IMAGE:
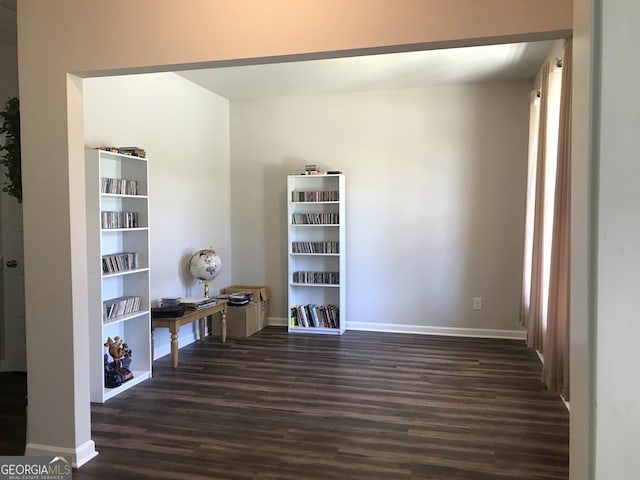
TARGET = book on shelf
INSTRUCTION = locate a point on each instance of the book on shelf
(327, 218)
(314, 247)
(119, 186)
(120, 262)
(314, 196)
(312, 315)
(311, 278)
(117, 219)
(120, 306)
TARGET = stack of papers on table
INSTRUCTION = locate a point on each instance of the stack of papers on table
(197, 303)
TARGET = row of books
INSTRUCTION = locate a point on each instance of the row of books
(327, 278)
(314, 247)
(120, 262)
(315, 196)
(120, 186)
(119, 219)
(312, 315)
(119, 306)
(330, 218)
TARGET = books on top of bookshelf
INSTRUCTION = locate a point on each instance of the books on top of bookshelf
(131, 151)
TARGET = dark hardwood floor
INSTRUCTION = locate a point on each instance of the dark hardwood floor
(362, 406)
(13, 414)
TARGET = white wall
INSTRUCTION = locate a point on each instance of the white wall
(435, 198)
(581, 427)
(185, 131)
(617, 426)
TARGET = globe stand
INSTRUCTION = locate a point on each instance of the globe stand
(205, 284)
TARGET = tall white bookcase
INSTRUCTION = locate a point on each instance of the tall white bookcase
(316, 246)
(118, 264)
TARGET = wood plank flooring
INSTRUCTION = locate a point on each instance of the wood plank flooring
(362, 406)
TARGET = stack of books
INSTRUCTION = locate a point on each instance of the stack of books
(170, 301)
(239, 298)
(197, 303)
(133, 151)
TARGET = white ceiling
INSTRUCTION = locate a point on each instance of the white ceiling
(8, 23)
(516, 61)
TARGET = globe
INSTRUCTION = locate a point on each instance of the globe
(205, 265)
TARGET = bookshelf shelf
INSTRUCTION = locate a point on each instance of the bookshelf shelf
(316, 254)
(315, 225)
(120, 195)
(317, 330)
(116, 230)
(124, 272)
(124, 318)
(117, 264)
(138, 377)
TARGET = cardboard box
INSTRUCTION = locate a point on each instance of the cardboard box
(260, 297)
(241, 321)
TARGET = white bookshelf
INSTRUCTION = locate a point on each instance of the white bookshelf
(134, 327)
(316, 259)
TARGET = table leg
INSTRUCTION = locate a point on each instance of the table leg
(174, 347)
(223, 325)
(203, 322)
(152, 345)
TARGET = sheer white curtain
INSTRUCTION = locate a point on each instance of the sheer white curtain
(555, 372)
(545, 291)
(532, 302)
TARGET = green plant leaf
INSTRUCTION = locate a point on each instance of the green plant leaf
(11, 159)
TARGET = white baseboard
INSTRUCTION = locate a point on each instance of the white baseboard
(444, 331)
(423, 330)
(79, 456)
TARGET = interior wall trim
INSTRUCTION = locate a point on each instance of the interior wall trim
(423, 329)
(79, 455)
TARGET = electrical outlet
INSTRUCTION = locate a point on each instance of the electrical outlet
(477, 303)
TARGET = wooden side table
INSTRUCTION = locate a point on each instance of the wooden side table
(174, 324)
